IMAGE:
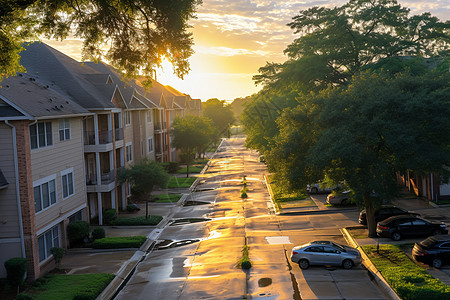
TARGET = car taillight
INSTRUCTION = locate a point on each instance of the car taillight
(382, 227)
(330, 197)
(294, 252)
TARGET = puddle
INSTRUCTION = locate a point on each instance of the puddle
(166, 244)
(188, 221)
(264, 282)
(195, 202)
(278, 240)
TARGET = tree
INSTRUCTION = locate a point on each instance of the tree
(367, 132)
(136, 34)
(143, 176)
(191, 133)
(220, 114)
(333, 45)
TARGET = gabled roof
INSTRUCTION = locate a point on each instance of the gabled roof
(66, 75)
(25, 94)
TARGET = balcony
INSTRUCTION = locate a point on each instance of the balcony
(108, 177)
(91, 179)
(118, 134)
(104, 136)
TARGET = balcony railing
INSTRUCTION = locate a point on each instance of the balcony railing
(91, 179)
(89, 138)
(105, 137)
(108, 177)
(160, 125)
(119, 134)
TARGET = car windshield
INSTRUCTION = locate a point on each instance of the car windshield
(340, 247)
(428, 243)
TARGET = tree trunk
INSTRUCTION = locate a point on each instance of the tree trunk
(370, 216)
(188, 162)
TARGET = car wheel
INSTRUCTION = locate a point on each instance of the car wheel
(437, 232)
(304, 264)
(396, 236)
(314, 190)
(437, 263)
(347, 264)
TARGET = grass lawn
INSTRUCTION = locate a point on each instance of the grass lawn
(359, 233)
(58, 287)
(409, 281)
(167, 198)
(192, 169)
(286, 199)
(180, 182)
(141, 220)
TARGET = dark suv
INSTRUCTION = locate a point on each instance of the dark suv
(399, 226)
(434, 250)
(384, 212)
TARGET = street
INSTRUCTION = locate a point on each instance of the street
(196, 255)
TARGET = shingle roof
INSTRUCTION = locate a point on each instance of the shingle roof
(38, 99)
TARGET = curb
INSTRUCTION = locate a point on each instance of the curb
(269, 188)
(377, 276)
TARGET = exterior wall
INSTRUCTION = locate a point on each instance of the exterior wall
(149, 134)
(10, 239)
(51, 161)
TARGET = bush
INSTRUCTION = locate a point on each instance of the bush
(109, 215)
(58, 254)
(119, 242)
(170, 167)
(98, 233)
(15, 270)
(142, 220)
(77, 231)
(244, 262)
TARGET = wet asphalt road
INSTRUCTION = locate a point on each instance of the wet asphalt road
(198, 260)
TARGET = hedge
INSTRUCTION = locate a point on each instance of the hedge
(142, 220)
(409, 281)
(119, 242)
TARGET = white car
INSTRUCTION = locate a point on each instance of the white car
(325, 253)
(319, 187)
(339, 198)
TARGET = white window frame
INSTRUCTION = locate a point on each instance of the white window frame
(47, 240)
(127, 117)
(48, 136)
(150, 145)
(65, 179)
(149, 116)
(129, 153)
(40, 183)
(64, 129)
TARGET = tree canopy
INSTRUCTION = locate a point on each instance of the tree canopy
(220, 114)
(132, 35)
(192, 134)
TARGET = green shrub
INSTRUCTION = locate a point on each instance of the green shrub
(244, 193)
(58, 254)
(244, 262)
(98, 233)
(409, 281)
(109, 215)
(119, 242)
(15, 270)
(77, 231)
(23, 296)
(142, 220)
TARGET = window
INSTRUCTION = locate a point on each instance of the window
(127, 117)
(44, 193)
(41, 135)
(64, 129)
(314, 249)
(67, 183)
(46, 241)
(150, 145)
(128, 152)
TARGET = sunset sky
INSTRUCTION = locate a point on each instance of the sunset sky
(234, 38)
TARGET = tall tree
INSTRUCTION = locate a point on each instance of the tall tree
(143, 176)
(368, 131)
(220, 114)
(136, 34)
(191, 133)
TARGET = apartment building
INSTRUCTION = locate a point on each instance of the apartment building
(41, 146)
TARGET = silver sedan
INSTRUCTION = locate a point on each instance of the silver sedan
(325, 253)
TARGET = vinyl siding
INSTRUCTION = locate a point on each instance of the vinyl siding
(55, 159)
(9, 225)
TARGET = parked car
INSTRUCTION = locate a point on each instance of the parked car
(320, 187)
(434, 251)
(397, 227)
(325, 253)
(341, 198)
(384, 212)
